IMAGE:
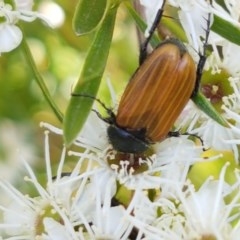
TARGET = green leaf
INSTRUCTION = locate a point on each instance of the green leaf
(226, 30)
(88, 15)
(141, 24)
(90, 78)
(203, 103)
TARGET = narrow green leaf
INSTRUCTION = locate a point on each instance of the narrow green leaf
(90, 78)
(223, 5)
(203, 103)
(226, 30)
(141, 24)
(39, 79)
(88, 15)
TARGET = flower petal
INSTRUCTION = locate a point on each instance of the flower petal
(24, 4)
(11, 37)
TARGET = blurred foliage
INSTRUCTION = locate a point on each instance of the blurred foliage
(59, 55)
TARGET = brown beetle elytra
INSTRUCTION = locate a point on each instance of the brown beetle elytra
(158, 91)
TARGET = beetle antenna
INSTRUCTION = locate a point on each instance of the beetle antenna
(109, 111)
(202, 56)
(143, 47)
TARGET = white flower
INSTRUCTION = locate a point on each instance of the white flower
(213, 134)
(11, 35)
(207, 211)
(55, 230)
(14, 142)
(82, 205)
(110, 223)
(73, 206)
(192, 214)
(28, 217)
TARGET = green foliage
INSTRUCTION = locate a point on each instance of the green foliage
(90, 78)
(88, 15)
(226, 29)
(203, 103)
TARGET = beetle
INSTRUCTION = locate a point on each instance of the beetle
(154, 98)
(155, 95)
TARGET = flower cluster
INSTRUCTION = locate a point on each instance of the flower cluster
(11, 35)
(99, 200)
(177, 191)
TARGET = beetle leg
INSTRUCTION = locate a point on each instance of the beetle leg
(143, 47)
(202, 58)
(174, 134)
(177, 134)
(108, 120)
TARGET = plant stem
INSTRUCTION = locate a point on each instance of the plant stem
(39, 80)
